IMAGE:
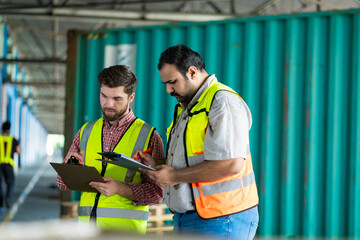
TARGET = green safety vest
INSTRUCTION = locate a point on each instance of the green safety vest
(226, 196)
(114, 212)
(6, 158)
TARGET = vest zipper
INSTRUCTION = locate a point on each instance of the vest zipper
(187, 163)
(97, 197)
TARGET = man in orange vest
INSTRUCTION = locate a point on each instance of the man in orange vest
(8, 146)
(208, 174)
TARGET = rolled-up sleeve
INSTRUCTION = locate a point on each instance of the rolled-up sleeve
(227, 135)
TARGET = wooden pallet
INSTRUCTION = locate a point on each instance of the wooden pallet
(69, 209)
(157, 218)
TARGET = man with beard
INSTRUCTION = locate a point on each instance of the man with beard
(122, 201)
(209, 178)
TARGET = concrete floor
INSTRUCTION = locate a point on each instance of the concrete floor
(36, 197)
(35, 212)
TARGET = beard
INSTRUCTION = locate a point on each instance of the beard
(114, 115)
(189, 92)
(182, 99)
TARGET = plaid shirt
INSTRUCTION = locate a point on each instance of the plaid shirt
(147, 193)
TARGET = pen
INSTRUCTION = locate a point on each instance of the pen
(146, 151)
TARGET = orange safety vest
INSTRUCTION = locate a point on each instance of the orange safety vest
(226, 196)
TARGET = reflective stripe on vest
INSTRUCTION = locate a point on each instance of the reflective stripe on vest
(226, 186)
(85, 136)
(114, 212)
(6, 158)
(225, 196)
(140, 142)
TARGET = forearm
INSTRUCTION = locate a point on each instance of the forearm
(60, 184)
(208, 171)
(126, 191)
(146, 193)
(18, 149)
(157, 146)
(73, 148)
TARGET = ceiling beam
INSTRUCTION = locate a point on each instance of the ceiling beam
(213, 5)
(90, 19)
(33, 60)
(232, 7)
(49, 105)
(19, 28)
(40, 98)
(80, 14)
(181, 6)
(265, 7)
(324, 4)
(36, 40)
(102, 4)
(38, 84)
(46, 101)
(40, 95)
(48, 110)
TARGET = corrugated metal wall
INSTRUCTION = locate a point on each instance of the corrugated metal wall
(300, 77)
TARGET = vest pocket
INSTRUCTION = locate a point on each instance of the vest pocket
(196, 130)
(217, 195)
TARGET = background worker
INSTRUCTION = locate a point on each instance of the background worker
(123, 198)
(8, 146)
(209, 179)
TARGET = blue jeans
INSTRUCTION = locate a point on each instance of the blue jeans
(237, 226)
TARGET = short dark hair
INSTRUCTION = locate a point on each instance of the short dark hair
(182, 57)
(6, 126)
(118, 76)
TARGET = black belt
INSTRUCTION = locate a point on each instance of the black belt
(190, 212)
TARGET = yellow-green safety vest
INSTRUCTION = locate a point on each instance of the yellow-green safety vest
(114, 212)
(226, 196)
(5, 155)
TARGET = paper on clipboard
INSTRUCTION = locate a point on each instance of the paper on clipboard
(122, 160)
(78, 177)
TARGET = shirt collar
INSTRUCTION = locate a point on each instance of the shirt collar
(201, 90)
(120, 122)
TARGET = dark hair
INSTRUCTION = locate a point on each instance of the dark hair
(6, 126)
(182, 57)
(118, 76)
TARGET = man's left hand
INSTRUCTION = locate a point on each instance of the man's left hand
(165, 175)
(108, 188)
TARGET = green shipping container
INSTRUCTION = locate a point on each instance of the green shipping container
(300, 77)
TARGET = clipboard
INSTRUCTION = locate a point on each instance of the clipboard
(122, 160)
(78, 177)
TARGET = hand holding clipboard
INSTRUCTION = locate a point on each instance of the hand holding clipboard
(122, 160)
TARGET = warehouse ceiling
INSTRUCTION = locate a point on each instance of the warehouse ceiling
(38, 30)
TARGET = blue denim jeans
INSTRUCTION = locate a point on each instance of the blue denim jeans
(237, 226)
